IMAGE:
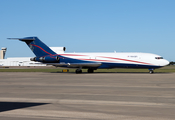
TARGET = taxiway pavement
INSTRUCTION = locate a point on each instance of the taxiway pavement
(96, 96)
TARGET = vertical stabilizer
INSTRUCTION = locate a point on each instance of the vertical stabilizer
(38, 47)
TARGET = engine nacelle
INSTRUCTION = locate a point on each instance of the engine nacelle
(35, 59)
(46, 59)
(49, 59)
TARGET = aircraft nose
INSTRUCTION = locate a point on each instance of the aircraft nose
(165, 62)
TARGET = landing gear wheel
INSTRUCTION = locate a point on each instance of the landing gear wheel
(90, 71)
(151, 71)
(78, 71)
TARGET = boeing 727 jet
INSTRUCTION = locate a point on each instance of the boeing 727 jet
(92, 61)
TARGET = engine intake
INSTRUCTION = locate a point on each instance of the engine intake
(33, 59)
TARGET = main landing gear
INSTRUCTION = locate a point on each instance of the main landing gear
(80, 71)
(90, 70)
(151, 71)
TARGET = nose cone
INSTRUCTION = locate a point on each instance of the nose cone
(165, 62)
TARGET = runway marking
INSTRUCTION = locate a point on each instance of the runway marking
(72, 115)
(89, 102)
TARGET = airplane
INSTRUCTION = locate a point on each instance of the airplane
(92, 61)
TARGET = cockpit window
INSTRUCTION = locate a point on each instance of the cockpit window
(158, 58)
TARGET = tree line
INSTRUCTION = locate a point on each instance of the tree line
(171, 63)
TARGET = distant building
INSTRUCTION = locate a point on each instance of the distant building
(2, 52)
(24, 61)
(19, 61)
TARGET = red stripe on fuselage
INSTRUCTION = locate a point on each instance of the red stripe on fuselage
(97, 60)
(90, 59)
(71, 55)
(41, 49)
(126, 60)
(105, 60)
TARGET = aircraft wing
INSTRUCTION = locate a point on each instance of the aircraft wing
(76, 65)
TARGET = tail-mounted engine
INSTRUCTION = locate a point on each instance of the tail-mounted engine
(46, 59)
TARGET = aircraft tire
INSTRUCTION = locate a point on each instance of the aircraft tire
(78, 71)
(151, 71)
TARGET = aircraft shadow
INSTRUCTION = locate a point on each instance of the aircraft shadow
(7, 106)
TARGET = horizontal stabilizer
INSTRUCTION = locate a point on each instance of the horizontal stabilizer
(23, 39)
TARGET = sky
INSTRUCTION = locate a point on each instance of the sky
(90, 25)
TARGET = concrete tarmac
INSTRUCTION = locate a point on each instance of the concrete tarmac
(96, 96)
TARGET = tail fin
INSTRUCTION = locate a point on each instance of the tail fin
(37, 46)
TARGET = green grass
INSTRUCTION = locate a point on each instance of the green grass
(167, 69)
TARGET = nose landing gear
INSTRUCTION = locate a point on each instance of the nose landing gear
(151, 71)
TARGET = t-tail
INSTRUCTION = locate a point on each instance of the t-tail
(42, 51)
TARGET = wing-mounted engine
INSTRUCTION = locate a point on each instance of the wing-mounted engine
(46, 59)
